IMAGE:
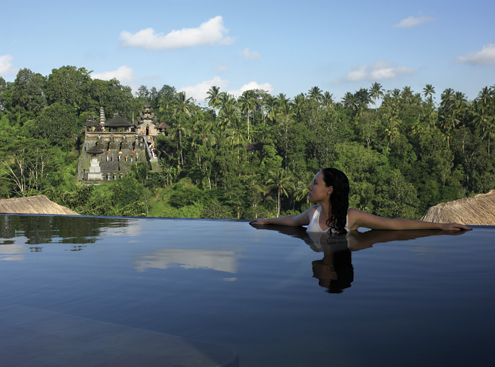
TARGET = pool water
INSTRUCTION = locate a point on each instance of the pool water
(274, 295)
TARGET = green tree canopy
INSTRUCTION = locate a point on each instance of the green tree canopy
(57, 124)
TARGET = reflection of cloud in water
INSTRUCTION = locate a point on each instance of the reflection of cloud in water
(124, 227)
(12, 252)
(220, 260)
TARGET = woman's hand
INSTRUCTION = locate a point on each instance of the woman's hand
(259, 221)
(455, 227)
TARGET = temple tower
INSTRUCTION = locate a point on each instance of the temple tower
(102, 117)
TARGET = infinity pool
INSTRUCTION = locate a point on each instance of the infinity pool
(235, 295)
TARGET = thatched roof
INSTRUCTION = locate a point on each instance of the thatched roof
(94, 150)
(118, 121)
(477, 210)
(33, 205)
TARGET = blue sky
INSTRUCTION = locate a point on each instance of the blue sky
(280, 46)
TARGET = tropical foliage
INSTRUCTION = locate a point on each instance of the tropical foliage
(253, 155)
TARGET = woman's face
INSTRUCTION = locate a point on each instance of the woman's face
(318, 190)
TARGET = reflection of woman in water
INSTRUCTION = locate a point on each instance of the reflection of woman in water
(335, 271)
(330, 188)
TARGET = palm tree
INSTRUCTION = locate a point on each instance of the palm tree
(283, 105)
(182, 111)
(166, 105)
(271, 107)
(228, 109)
(460, 106)
(349, 101)
(261, 97)
(316, 94)
(407, 95)
(213, 97)
(298, 104)
(376, 92)
(183, 106)
(428, 92)
(363, 97)
(327, 100)
(205, 133)
(285, 112)
(203, 138)
(282, 181)
(446, 113)
(247, 103)
(301, 188)
(236, 135)
(396, 93)
(447, 99)
(392, 129)
(178, 131)
(483, 118)
(256, 191)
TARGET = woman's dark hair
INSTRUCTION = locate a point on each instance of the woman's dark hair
(342, 264)
(339, 199)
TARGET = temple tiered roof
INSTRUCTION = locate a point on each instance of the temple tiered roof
(118, 121)
(94, 150)
(147, 114)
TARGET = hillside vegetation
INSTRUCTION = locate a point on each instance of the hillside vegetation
(250, 156)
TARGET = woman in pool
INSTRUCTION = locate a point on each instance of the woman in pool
(330, 188)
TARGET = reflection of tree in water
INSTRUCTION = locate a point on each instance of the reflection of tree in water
(43, 229)
(76, 248)
(7, 230)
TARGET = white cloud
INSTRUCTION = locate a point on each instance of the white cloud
(219, 260)
(411, 21)
(6, 67)
(124, 74)
(200, 91)
(222, 68)
(484, 57)
(251, 55)
(208, 33)
(252, 85)
(377, 71)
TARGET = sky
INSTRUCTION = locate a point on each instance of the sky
(279, 46)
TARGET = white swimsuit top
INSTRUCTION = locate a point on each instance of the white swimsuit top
(314, 225)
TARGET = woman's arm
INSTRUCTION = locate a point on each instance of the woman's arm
(290, 220)
(358, 218)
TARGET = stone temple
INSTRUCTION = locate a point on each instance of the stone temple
(111, 148)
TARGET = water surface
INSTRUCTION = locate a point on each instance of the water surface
(408, 299)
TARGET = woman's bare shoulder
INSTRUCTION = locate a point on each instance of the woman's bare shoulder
(351, 212)
(355, 216)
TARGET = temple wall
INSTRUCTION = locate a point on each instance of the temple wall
(117, 157)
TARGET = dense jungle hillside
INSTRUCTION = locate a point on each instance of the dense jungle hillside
(251, 156)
